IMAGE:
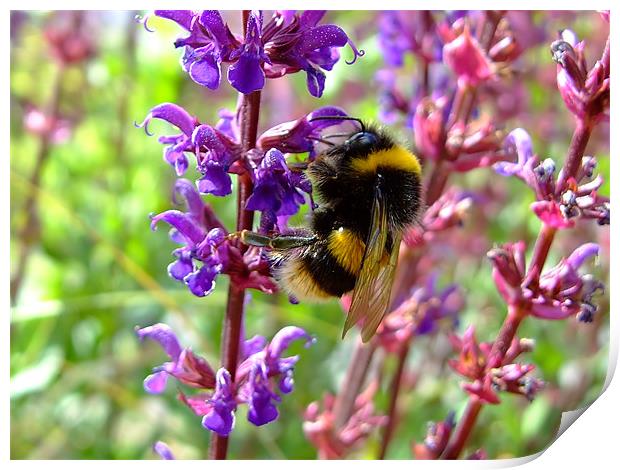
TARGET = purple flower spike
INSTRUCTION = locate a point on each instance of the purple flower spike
(162, 449)
(221, 418)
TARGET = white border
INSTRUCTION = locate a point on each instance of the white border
(591, 442)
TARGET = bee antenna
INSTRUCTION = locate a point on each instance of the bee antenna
(339, 118)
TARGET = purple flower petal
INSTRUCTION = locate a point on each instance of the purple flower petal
(215, 180)
(184, 223)
(261, 404)
(182, 17)
(310, 18)
(156, 383)
(213, 22)
(284, 338)
(246, 75)
(206, 71)
(202, 282)
(173, 114)
(188, 191)
(581, 254)
(221, 418)
(162, 449)
(327, 35)
(164, 335)
(181, 267)
(315, 80)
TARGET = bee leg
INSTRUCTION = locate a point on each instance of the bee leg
(279, 242)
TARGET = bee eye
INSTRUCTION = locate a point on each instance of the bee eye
(362, 139)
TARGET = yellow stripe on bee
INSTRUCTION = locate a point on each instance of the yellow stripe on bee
(347, 248)
(297, 280)
(397, 158)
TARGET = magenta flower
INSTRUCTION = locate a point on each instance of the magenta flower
(335, 443)
(287, 43)
(487, 377)
(585, 92)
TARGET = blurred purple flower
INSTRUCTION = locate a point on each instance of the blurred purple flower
(437, 437)
(287, 43)
(408, 31)
(162, 449)
(564, 292)
(422, 313)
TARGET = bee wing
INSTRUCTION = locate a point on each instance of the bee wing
(371, 295)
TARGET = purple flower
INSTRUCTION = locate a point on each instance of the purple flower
(301, 135)
(178, 144)
(215, 152)
(278, 191)
(162, 449)
(216, 148)
(205, 251)
(422, 313)
(221, 417)
(185, 366)
(287, 43)
(262, 373)
(299, 43)
(563, 291)
(408, 31)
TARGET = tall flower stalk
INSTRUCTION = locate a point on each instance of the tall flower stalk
(518, 310)
(251, 372)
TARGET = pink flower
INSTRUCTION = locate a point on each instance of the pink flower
(467, 60)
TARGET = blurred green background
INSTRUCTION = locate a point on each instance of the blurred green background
(95, 270)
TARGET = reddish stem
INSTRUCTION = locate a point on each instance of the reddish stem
(578, 144)
(233, 321)
(353, 381)
(27, 235)
(463, 430)
(394, 391)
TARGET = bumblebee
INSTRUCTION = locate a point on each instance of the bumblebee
(369, 190)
